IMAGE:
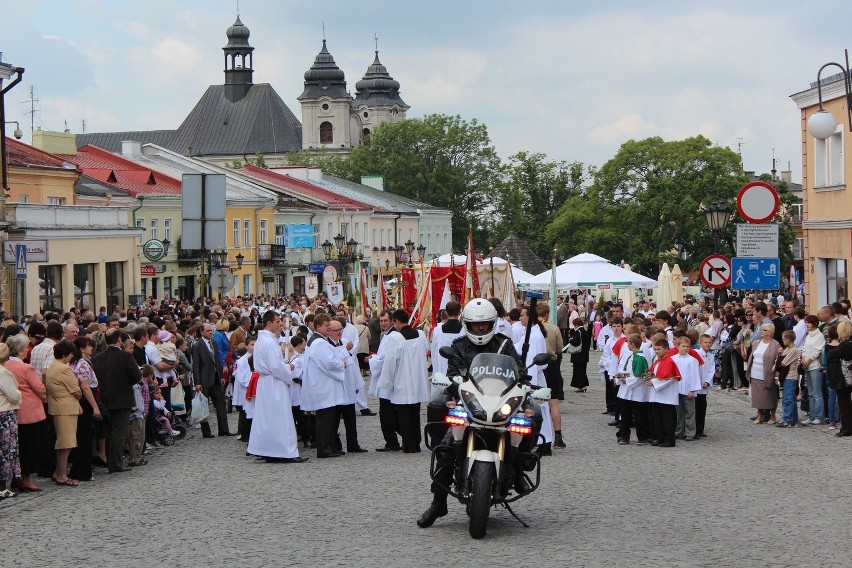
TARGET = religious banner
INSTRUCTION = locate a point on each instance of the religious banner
(409, 288)
(441, 277)
(334, 291)
(311, 288)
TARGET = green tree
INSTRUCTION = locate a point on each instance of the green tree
(259, 161)
(648, 200)
(440, 160)
(534, 191)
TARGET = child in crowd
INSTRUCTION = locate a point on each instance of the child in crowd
(597, 326)
(708, 371)
(297, 363)
(789, 381)
(136, 432)
(162, 414)
(633, 392)
(663, 396)
(688, 387)
(242, 374)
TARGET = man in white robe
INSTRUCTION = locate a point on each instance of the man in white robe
(387, 414)
(273, 433)
(404, 378)
(323, 385)
(443, 336)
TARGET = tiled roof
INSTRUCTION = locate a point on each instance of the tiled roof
(518, 253)
(22, 155)
(124, 174)
(334, 200)
(92, 187)
(111, 141)
(375, 197)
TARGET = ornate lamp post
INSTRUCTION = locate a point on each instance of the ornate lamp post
(822, 123)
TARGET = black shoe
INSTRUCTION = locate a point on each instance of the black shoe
(411, 450)
(544, 450)
(430, 515)
(287, 460)
(666, 445)
(614, 423)
(608, 412)
(521, 485)
(559, 442)
(357, 450)
(228, 434)
(329, 455)
(388, 449)
(203, 436)
(368, 412)
(654, 442)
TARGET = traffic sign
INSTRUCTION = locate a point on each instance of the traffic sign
(759, 241)
(757, 202)
(21, 262)
(756, 273)
(223, 281)
(716, 271)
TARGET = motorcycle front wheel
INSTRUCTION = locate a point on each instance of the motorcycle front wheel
(480, 498)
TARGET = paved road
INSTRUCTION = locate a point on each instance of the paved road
(745, 496)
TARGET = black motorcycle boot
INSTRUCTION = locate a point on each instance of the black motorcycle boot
(544, 449)
(558, 442)
(437, 509)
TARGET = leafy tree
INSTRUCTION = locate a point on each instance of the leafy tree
(534, 191)
(440, 160)
(648, 201)
(259, 161)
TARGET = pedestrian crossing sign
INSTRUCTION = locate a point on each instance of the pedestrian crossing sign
(21, 261)
(755, 273)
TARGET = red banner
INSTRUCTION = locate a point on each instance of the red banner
(440, 276)
(409, 289)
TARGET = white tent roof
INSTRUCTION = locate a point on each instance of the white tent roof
(460, 260)
(587, 271)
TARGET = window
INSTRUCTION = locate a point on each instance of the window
(23, 198)
(799, 249)
(382, 241)
(140, 224)
(263, 231)
(279, 234)
(344, 230)
(236, 232)
(366, 235)
(56, 201)
(167, 229)
(375, 240)
(167, 288)
(155, 225)
(366, 136)
(84, 286)
(317, 240)
(326, 133)
(247, 226)
(835, 279)
(828, 160)
(410, 234)
(50, 287)
(355, 235)
(247, 284)
(114, 284)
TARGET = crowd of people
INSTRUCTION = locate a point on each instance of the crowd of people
(80, 390)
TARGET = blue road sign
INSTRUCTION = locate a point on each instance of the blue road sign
(21, 262)
(755, 273)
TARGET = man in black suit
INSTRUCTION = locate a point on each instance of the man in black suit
(207, 375)
(117, 372)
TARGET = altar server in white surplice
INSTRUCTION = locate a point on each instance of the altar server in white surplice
(273, 433)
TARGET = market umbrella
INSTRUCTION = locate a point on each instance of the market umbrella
(588, 271)
(664, 293)
(677, 284)
(627, 295)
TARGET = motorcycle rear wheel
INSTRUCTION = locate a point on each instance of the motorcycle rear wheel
(480, 498)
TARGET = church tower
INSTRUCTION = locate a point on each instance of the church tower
(377, 100)
(238, 62)
(327, 107)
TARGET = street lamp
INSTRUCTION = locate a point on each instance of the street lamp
(397, 253)
(387, 264)
(717, 214)
(822, 123)
(166, 243)
(339, 241)
(240, 259)
(421, 251)
(326, 249)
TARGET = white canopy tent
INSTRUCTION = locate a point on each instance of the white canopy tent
(590, 271)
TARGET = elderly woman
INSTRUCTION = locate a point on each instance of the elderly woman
(10, 402)
(63, 394)
(81, 459)
(31, 416)
(761, 372)
(840, 357)
(814, 375)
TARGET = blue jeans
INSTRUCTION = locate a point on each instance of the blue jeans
(791, 413)
(815, 401)
(833, 407)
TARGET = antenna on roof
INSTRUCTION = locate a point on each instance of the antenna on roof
(376, 38)
(33, 110)
(66, 126)
(323, 30)
(238, 8)
(84, 126)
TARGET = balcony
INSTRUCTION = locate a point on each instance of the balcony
(189, 258)
(271, 255)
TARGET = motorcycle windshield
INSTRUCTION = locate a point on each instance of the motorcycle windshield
(493, 373)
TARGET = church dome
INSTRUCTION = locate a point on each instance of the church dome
(238, 34)
(324, 68)
(377, 79)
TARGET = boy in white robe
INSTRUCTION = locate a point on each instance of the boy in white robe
(708, 371)
(688, 387)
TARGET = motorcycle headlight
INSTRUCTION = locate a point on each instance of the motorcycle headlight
(507, 409)
(473, 405)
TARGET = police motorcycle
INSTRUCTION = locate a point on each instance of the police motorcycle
(493, 417)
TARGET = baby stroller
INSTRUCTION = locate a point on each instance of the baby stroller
(166, 439)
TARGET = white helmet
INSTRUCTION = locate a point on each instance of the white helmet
(476, 311)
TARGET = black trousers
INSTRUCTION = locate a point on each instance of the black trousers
(700, 413)
(243, 424)
(327, 420)
(389, 423)
(81, 456)
(634, 415)
(119, 424)
(408, 419)
(346, 412)
(664, 419)
(217, 397)
(611, 392)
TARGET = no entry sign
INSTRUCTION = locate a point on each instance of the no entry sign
(716, 271)
(757, 202)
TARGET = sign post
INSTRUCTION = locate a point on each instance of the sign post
(715, 271)
(20, 276)
(756, 273)
(756, 266)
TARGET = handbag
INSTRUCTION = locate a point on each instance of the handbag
(847, 372)
(572, 349)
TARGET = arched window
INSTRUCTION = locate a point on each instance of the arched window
(365, 135)
(326, 133)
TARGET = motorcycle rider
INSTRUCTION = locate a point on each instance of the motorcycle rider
(479, 319)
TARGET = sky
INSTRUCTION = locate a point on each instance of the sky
(570, 79)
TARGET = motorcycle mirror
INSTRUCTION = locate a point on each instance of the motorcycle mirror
(440, 380)
(540, 359)
(458, 380)
(542, 394)
(446, 352)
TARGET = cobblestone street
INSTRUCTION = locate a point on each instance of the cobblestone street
(744, 496)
